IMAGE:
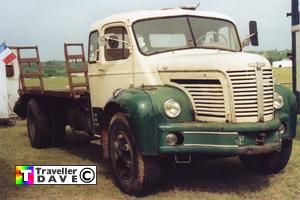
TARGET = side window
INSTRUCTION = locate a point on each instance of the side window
(93, 46)
(117, 44)
(10, 71)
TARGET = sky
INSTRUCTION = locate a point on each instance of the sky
(50, 23)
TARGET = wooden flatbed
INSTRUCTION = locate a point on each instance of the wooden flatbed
(74, 90)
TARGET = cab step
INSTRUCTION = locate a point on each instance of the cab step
(96, 140)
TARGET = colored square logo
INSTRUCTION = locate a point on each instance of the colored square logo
(24, 175)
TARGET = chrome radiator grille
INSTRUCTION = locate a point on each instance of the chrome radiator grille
(244, 86)
(244, 92)
(208, 98)
(268, 92)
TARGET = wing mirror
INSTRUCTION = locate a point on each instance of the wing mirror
(253, 37)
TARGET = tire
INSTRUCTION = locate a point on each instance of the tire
(38, 125)
(270, 163)
(134, 173)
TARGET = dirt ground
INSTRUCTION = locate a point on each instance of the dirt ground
(218, 179)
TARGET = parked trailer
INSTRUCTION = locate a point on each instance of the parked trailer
(9, 85)
(171, 83)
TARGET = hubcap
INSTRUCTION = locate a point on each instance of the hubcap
(122, 155)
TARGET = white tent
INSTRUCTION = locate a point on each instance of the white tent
(282, 63)
(8, 91)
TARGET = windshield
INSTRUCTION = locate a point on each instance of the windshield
(167, 34)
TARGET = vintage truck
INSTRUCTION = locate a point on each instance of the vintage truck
(171, 83)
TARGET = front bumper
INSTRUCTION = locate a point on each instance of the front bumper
(219, 138)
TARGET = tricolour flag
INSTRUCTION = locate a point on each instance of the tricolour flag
(5, 54)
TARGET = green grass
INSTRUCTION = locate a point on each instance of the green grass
(54, 82)
(283, 76)
(218, 179)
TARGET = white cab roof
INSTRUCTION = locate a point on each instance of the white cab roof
(131, 17)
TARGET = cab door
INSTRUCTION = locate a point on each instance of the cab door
(112, 68)
(94, 68)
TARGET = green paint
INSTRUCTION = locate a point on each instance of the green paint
(218, 143)
(150, 125)
(223, 127)
(138, 105)
(145, 110)
(288, 113)
(161, 94)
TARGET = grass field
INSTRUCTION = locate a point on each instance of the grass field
(54, 82)
(218, 179)
(283, 76)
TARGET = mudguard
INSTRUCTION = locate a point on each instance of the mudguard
(145, 110)
(288, 113)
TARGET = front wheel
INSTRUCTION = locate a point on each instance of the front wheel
(134, 172)
(269, 163)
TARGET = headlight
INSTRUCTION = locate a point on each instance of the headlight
(172, 108)
(278, 101)
(171, 139)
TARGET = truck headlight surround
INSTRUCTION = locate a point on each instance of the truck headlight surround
(172, 108)
(278, 101)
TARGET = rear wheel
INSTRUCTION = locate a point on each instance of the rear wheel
(38, 125)
(269, 163)
(134, 172)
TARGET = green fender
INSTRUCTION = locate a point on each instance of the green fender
(145, 110)
(288, 113)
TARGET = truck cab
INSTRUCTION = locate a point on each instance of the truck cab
(173, 83)
(186, 88)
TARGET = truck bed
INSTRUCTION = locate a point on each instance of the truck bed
(36, 86)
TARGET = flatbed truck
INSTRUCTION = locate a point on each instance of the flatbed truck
(171, 83)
